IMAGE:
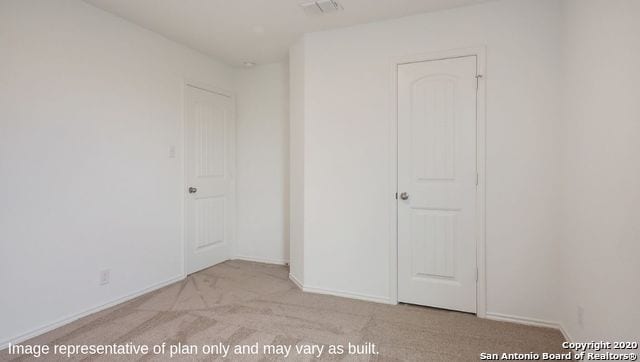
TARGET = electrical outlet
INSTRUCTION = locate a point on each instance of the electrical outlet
(105, 276)
(580, 315)
(172, 151)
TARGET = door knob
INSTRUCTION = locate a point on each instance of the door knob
(404, 196)
(193, 190)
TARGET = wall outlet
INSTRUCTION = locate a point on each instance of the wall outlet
(172, 151)
(580, 316)
(105, 276)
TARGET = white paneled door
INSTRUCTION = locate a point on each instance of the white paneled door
(209, 190)
(437, 183)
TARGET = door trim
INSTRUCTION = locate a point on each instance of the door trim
(188, 82)
(480, 53)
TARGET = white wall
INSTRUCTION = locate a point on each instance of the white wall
(262, 162)
(296, 160)
(89, 106)
(347, 115)
(601, 218)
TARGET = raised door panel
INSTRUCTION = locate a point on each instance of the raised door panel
(209, 221)
(433, 244)
(210, 139)
(433, 127)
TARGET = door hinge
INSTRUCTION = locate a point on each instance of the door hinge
(476, 274)
(396, 195)
(478, 81)
(477, 178)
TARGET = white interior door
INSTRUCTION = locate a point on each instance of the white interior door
(437, 183)
(209, 145)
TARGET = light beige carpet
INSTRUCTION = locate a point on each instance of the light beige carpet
(241, 303)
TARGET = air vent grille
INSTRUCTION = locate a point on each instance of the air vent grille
(320, 7)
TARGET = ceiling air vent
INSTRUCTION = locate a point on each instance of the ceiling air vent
(320, 7)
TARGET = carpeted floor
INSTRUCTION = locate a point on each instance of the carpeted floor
(241, 303)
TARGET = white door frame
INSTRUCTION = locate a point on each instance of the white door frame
(187, 82)
(480, 53)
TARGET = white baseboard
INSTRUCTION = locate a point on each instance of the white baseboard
(296, 281)
(68, 319)
(262, 260)
(528, 321)
(338, 293)
(565, 334)
(343, 294)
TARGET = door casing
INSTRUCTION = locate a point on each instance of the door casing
(480, 53)
(187, 82)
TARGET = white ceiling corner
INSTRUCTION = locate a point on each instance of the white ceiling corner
(256, 30)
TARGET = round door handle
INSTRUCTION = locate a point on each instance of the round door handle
(404, 196)
(193, 190)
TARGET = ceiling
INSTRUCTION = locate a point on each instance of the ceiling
(259, 31)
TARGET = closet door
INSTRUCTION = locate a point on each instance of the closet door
(437, 183)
